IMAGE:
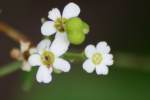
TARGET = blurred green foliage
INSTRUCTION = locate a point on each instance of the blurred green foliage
(78, 85)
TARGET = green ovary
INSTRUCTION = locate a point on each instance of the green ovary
(97, 58)
(47, 58)
(60, 24)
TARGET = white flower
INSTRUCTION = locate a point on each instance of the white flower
(57, 23)
(48, 58)
(22, 54)
(99, 58)
(26, 50)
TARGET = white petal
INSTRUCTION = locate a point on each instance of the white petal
(33, 50)
(24, 46)
(48, 28)
(54, 14)
(90, 50)
(60, 44)
(108, 59)
(62, 65)
(71, 10)
(103, 47)
(110, 62)
(101, 70)
(43, 75)
(44, 44)
(34, 60)
(88, 66)
(26, 66)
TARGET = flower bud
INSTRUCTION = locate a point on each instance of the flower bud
(74, 24)
(76, 37)
(86, 28)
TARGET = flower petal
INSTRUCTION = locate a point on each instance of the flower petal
(108, 59)
(44, 75)
(103, 47)
(48, 28)
(33, 50)
(71, 10)
(24, 46)
(60, 44)
(34, 60)
(54, 14)
(90, 50)
(26, 66)
(44, 44)
(101, 70)
(62, 65)
(88, 66)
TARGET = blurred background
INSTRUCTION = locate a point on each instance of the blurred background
(124, 24)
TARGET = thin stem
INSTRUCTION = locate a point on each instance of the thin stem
(132, 61)
(12, 33)
(10, 68)
(75, 56)
(27, 79)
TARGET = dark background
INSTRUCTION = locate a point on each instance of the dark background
(124, 24)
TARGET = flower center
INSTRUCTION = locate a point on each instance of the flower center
(60, 24)
(26, 55)
(97, 58)
(47, 58)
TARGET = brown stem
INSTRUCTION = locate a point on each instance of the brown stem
(12, 33)
(18, 37)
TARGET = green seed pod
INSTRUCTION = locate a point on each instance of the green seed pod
(76, 30)
(76, 37)
(74, 24)
(86, 28)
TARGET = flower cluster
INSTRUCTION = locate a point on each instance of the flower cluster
(68, 29)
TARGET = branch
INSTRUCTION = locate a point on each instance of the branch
(12, 33)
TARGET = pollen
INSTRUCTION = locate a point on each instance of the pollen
(97, 58)
(60, 24)
(47, 58)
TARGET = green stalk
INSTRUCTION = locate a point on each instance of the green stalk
(10, 68)
(74, 56)
(27, 79)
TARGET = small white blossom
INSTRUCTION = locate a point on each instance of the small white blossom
(57, 23)
(48, 58)
(99, 58)
(22, 54)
